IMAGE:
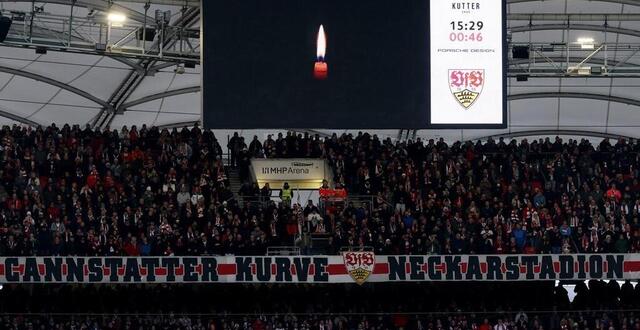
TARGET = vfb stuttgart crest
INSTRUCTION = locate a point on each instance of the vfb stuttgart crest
(359, 265)
(466, 85)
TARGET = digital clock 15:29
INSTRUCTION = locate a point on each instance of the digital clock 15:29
(467, 26)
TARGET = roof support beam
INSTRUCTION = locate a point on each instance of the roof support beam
(6, 114)
(133, 65)
(103, 6)
(157, 96)
(573, 60)
(179, 125)
(622, 2)
(196, 3)
(188, 3)
(56, 83)
(574, 17)
(156, 68)
(583, 27)
(567, 95)
(554, 132)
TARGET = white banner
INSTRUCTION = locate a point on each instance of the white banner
(300, 173)
(350, 267)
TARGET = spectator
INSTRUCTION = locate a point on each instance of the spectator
(255, 148)
(613, 193)
(500, 325)
(265, 192)
(183, 196)
(539, 200)
(520, 236)
(235, 145)
(131, 247)
(485, 325)
(286, 194)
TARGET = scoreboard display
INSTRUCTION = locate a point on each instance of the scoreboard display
(467, 62)
(340, 64)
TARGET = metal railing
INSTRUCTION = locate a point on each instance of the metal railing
(356, 249)
(254, 201)
(283, 251)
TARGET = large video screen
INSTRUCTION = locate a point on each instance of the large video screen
(353, 64)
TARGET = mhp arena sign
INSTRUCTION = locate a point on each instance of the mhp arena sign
(357, 267)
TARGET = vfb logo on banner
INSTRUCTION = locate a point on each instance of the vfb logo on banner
(466, 85)
(359, 265)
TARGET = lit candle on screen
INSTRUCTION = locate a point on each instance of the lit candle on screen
(320, 69)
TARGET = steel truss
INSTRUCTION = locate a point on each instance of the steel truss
(93, 34)
(179, 43)
(571, 60)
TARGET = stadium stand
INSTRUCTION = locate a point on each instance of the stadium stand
(427, 306)
(319, 165)
(566, 320)
(73, 191)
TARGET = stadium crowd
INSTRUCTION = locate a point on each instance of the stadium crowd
(500, 196)
(519, 321)
(150, 191)
(444, 305)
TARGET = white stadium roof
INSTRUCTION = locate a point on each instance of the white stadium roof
(85, 87)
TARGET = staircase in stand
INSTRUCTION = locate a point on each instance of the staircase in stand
(233, 175)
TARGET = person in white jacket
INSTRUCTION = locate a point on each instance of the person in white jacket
(500, 325)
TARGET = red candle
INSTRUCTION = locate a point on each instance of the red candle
(320, 69)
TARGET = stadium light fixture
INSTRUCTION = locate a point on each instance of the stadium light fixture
(586, 43)
(116, 19)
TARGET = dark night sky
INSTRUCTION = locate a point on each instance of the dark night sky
(259, 57)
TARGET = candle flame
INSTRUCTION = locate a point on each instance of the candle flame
(322, 43)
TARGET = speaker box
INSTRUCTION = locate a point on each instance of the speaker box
(520, 52)
(5, 24)
(522, 77)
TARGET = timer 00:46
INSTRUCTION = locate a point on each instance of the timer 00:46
(465, 37)
(467, 26)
